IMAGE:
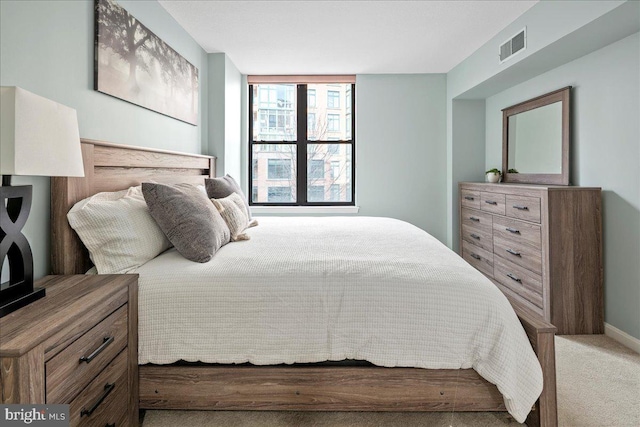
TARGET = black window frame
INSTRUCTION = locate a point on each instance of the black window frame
(302, 142)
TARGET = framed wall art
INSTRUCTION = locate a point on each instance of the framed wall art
(133, 64)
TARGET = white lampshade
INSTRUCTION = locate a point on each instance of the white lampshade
(37, 136)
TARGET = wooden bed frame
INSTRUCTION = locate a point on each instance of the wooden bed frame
(111, 167)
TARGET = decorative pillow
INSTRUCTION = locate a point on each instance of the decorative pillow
(187, 217)
(234, 213)
(218, 188)
(118, 230)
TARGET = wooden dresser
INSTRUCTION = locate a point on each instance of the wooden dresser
(76, 346)
(541, 245)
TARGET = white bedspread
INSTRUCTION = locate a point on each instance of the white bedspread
(316, 289)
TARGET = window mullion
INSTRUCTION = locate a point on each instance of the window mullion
(301, 150)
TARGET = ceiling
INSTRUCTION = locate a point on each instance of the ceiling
(344, 37)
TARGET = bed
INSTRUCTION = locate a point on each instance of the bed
(228, 383)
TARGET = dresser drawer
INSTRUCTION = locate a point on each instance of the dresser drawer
(479, 238)
(479, 258)
(520, 280)
(104, 401)
(470, 199)
(519, 233)
(522, 207)
(73, 368)
(517, 300)
(523, 255)
(492, 202)
(478, 220)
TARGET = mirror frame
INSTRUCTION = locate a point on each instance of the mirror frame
(562, 178)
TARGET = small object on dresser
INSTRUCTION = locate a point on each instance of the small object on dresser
(493, 175)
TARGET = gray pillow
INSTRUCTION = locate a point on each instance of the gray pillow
(188, 219)
(219, 188)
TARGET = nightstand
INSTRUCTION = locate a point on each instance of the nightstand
(76, 346)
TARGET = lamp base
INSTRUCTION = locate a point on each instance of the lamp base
(20, 302)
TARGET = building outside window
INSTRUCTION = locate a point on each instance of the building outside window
(333, 99)
(279, 194)
(311, 98)
(279, 169)
(311, 122)
(335, 169)
(315, 138)
(333, 122)
(335, 191)
(316, 193)
(316, 169)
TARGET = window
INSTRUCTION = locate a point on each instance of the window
(333, 122)
(311, 96)
(316, 193)
(335, 192)
(279, 194)
(335, 169)
(311, 122)
(316, 169)
(333, 99)
(300, 151)
(279, 169)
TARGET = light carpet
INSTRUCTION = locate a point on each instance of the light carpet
(598, 386)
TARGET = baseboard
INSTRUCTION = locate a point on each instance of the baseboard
(622, 337)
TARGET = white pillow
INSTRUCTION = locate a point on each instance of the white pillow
(234, 212)
(118, 230)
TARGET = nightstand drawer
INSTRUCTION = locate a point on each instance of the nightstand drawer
(104, 401)
(73, 368)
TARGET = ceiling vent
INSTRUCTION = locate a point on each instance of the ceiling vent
(515, 44)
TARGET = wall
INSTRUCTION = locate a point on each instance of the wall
(225, 114)
(605, 153)
(46, 47)
(561, 33)
(557, 32)
(400, 149)
(468, 151)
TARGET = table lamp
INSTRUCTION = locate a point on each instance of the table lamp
(38, 137)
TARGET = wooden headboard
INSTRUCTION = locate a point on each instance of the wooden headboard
(112, 167)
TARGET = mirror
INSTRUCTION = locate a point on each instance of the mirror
(535, 145)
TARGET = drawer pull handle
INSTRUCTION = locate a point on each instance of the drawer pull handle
(475, 236)
(110, 425)
(512, 252)
(513, 230)
(473, 218)
(105, 343)
(475, 256)
(514, 278)
(521, 208)
(108, 388)
(469, 198)
(490, 202)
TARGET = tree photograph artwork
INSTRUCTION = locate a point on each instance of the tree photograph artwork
(135, 65)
